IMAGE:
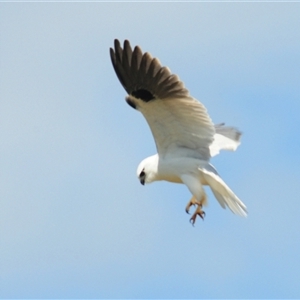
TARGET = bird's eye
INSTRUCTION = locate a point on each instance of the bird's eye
(142, 174)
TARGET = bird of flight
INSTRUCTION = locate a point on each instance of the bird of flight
(184, 134)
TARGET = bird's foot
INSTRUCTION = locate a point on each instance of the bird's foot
(199, 212)
(192, 202)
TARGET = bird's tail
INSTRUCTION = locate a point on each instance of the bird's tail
(223, 193)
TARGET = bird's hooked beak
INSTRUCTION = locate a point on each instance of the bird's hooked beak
(142, 177)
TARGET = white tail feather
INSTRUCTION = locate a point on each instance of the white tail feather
(224, 194)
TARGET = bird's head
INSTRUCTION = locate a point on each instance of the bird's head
(147, 170)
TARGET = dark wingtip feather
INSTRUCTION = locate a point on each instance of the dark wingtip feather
(143, 76)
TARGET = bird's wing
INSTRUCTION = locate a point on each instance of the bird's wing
(225, 138)
(179, 123)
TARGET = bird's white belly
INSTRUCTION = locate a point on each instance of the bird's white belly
(172, 178)
(172, 169)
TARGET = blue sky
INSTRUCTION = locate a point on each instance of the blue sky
(75, 221)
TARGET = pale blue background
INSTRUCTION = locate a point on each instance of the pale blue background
(75, 221)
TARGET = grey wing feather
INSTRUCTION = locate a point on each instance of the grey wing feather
(225, 138)
(229, 132)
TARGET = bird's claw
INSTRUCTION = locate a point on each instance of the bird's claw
(192, 202)
(199, 213)
(187, 209)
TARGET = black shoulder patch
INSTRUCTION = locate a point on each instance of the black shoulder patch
(143, 95)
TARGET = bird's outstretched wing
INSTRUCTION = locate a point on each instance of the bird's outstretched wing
(179, 123)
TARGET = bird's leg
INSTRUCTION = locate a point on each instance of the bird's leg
(199, 212)
(193, 201)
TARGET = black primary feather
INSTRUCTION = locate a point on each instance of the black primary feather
(142, 76)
